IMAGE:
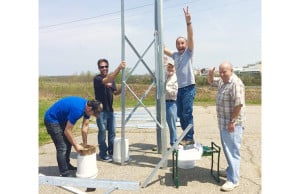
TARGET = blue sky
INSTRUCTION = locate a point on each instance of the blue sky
(74, 34)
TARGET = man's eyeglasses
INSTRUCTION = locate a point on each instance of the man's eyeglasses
(101, 67)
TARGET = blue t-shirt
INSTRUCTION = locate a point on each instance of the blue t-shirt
(184, 68)
(66, 109)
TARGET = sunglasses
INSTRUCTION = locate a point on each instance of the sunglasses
(101, 67)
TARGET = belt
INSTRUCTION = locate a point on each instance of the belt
(170, 100)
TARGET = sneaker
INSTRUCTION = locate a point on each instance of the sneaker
(106, 158)
(71, 167)
(229, 186)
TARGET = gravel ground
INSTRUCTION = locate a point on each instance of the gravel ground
(143, 160)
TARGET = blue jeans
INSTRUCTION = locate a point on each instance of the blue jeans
(62, 145)
(231, 143)
(171, 116)
(185, 102)
(106, 121)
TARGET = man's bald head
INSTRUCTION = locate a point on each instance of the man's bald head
(225, 71)
(226, 65)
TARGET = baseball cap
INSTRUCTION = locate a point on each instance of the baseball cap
(171, 62)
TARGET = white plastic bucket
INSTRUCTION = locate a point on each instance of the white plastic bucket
(117, 150)
(187, 158)
(186, 164)
(87, 166)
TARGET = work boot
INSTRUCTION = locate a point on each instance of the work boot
(183, 142)
(189, 142)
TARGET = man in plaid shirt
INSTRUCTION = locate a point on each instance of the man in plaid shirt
(230, 105)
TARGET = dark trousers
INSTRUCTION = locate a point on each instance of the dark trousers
(62, 145)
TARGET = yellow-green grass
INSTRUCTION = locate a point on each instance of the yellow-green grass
(51, 91)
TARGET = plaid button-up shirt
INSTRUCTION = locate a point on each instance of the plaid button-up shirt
(229, 95)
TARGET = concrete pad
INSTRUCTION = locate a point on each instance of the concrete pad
(143, 160)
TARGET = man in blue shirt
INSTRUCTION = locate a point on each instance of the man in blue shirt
(60, 119)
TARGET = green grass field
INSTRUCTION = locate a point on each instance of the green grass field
(50, 90)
